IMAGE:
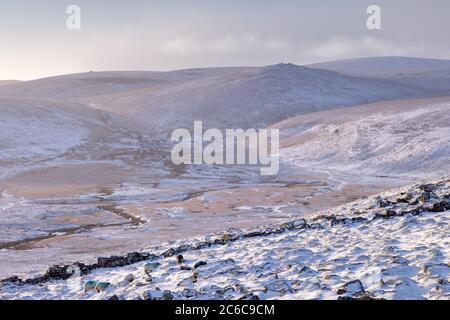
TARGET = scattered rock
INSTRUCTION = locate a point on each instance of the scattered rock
(194, 277)
(438, 207)
(188, 293)
(112, 262)
(167, 295)
(129, 278)
(249, 297)
(185, 268)
(308, 272)
(363, 296)
(425, 197)
(90, 286)
(147, 295)
(352, 288)
(150, 267)
(101, 286)
(427, 187)
(200, 264)
(281, 286)
(136, 257)
(180, 259)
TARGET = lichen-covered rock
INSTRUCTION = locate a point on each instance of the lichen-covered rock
(102, 286)
(150, 267)
(90, 286)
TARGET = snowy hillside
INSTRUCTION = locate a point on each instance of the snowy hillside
(37, 129)
(385, 66)
(250, 97)
(86, 168)
(77, 86)
(391, 246)
(397, 138)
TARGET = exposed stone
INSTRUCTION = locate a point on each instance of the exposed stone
(200, 264)
(308, 271)
(112, 262)
(188, 293)
(249, 297)
(281, 286)
(90, 286)
(150, 267)
(167, 295)
(438, 207)
(352, 288)
(102, 286)
(185, 268)
(129, 278)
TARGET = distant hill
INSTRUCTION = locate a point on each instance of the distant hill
(385, 66)
(8, 82)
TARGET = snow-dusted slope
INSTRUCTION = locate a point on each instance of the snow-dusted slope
(38, 129)
(385, 66)
(84, 85)
(404, 137)
(237, 97)
(431, 75)
(8, 82)
(391, 246)
(249, 97)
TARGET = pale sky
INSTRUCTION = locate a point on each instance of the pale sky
(178, 34)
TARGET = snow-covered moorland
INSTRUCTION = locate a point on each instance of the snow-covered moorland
(394, 245)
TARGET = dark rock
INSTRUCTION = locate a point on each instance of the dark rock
(188, 293)
(308, 271)
(147, 295)
(383, 203)
(427, 187)
(169, 253)
(101, 286)
(249, 297)
(59, 273)
(425, 197)
(281, 286)
(200, 264)
(13, 280)
(180, 259)
(352, 288)
(150, 267)
(114, 298)
(136, 257)
(167, 295)
(361, 297)
(112, 262)
(445, 204)
(185, 268)
(437, 207)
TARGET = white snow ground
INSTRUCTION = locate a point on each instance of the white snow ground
(408, 138)
(395, 245)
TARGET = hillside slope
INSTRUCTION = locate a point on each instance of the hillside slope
(39, 129)
(249, 98)
(396, 138)
(384, 66)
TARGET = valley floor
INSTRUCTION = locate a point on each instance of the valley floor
(395, 245)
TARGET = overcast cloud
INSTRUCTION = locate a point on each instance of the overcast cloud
(173, 34)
